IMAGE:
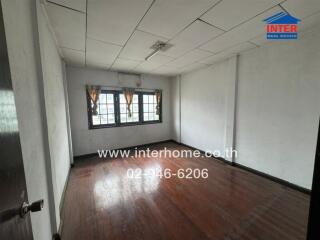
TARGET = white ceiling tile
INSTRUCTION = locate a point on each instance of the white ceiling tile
(167, 17)
(229, 13)
(242, 33)
(79, 5)
(191, 57)
(167, 70)
(73, 57)
(242, 47)
(310, 24)
(194, 35)
(69, 26)
(192, 67)
(113, 21)
(122, 64)
(97, 65)
(179, 48)
(139, 45)
(101, 53)
(260, 40)
(154, 62)
(198, 33)
(302, 8)
(217, 58)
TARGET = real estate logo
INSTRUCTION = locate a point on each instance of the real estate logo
(282, 26)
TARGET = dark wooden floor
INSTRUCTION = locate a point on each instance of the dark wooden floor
(101, 202)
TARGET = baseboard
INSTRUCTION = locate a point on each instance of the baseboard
(57, 236)
(79, 157)
(272, 178)
(64, 190)
(256, 172)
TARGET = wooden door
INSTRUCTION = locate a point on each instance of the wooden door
(13, 190)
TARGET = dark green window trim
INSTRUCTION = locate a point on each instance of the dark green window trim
(117, 111)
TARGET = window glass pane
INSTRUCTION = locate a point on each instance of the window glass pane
(102, 98)
(150, 98)
(135, 117)
(104, 119)
(154, 99)
(145, 108)
(156, 117)
(123, 107)
(122, 98)
(145, 98)
(145, 117)
(103, 109)
(129, 119)
(151, 116)
(135, 98)
(151, 108)
(123, 118)
(110, 98)
(110, 108)
(135, 107)
(96, 120)
(111, 119)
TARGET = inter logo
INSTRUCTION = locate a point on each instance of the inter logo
(282, 26)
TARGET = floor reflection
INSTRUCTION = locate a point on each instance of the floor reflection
(116, 189)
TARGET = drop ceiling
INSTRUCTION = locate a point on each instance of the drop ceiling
(117, 35)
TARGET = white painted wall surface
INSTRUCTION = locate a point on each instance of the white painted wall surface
(278, 109)
(87, 141)
(204, 101)
(55, 104)
(175, 107)
(20, 22)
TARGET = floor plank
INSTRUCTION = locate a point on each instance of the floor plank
(101, 202)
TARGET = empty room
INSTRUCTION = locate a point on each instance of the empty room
(159, 119)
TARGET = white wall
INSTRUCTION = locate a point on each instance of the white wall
(55, 105)
(278, 109)
(87, 141)
(175, 108)
(269, 111)
(21, 34)
(205, 96)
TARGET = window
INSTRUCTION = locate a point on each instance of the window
(113, 111)
(134, 107)
(150, 108)
(106, 110)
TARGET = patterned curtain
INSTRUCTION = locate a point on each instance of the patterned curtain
(93, 93)
(158, 94)
(128, 94)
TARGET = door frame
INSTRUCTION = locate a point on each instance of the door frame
(314, 212)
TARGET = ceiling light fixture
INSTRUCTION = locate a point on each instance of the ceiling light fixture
(158, 46)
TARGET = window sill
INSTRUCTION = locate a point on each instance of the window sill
(123, 125)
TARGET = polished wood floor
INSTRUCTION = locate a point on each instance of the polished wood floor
(101, 202)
